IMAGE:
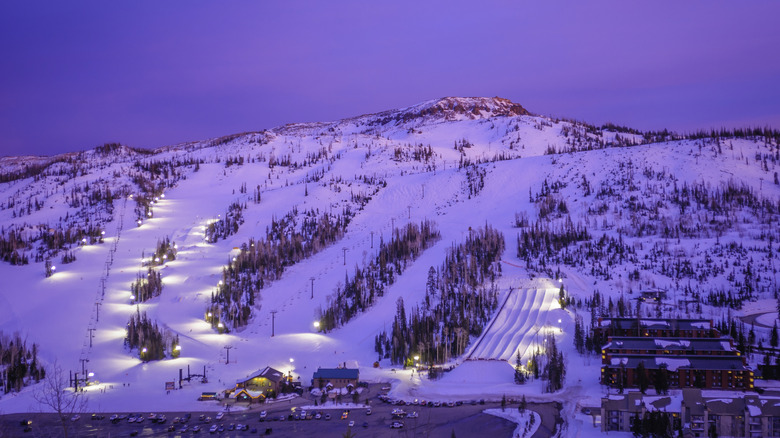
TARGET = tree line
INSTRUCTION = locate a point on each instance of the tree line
(460, 298)
(262, 261)
(19, 364)
(368, 283)
(146, 336)
(147, 286)
(164, 251)
(224, 227)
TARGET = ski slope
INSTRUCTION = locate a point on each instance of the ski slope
(516, 327)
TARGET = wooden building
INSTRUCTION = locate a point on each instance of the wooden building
(619, 346)
(267, 379)
(335, 378)
(658, 328)
(682, 371)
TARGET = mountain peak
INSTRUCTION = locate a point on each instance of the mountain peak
(476, 106)
(452, 108)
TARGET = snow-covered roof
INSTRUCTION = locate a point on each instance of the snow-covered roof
(267, 373)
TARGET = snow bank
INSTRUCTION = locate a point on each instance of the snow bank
(524, 428)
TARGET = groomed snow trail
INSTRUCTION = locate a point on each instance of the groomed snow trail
(516, 326)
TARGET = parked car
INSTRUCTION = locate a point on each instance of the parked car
(396, 425)
(368, 411)
(214, 428)
(351, 423)
(75, 417)
(263, 414)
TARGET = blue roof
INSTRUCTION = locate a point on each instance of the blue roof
(336, 373)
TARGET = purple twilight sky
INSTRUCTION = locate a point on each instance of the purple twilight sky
(76, 74)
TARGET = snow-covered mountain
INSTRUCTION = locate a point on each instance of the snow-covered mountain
(273, 227)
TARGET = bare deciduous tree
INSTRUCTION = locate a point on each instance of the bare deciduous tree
(54, 395)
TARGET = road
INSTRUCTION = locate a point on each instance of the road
(753, 319)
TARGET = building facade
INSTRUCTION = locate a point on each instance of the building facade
(335, 378)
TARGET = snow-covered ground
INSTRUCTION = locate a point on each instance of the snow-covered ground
(60, 312)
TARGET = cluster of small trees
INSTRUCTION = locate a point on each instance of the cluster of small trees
(148, 286)
(152, 177)
(18, 363)
(475, 179)
(651, 424)
(457, 304)
(12, 247)
(368, 283)
(264, 260)
(145, 335)
(418, 152)
(549, 364)
(545, 238)
(164, 251)
(228, 225)
(584, 339)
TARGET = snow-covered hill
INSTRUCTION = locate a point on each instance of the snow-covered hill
(607, 209)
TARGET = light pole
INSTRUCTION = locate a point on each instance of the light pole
(273, 321)
(317, 325)
(312, 287)
(372, 239)
(344, 249)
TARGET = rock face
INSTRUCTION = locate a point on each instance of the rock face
(451, 108)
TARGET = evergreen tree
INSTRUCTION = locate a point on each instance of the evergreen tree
(641, 377)
(662, 380)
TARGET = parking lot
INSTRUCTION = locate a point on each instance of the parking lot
(285, 420)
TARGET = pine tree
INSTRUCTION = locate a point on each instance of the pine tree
(579, 335)
(519, 375)
(773, 339)
(641, 376)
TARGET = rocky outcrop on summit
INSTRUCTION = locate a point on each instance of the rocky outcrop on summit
(452, 108)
